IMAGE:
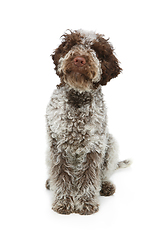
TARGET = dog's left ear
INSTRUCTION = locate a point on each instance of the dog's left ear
(109, 63)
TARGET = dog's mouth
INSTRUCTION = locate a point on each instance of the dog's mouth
(84, 71)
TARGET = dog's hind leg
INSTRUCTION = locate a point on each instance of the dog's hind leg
(110, 164)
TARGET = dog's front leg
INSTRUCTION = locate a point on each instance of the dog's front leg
(88, 185)
(61, 182)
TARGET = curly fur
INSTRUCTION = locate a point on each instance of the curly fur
(82, 154)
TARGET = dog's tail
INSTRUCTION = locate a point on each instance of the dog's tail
(124, 164)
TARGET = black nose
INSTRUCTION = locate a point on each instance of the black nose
(79, 61)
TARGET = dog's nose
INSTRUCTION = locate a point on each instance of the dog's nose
(79, 61)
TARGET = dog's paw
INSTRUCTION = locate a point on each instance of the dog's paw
(87, 208)
(64, 206)
(107, 189)
(62, 209)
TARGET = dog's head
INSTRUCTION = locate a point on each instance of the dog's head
(85, 60)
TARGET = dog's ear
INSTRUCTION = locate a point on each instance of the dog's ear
(68, 41)
(109, 63)
(57, 54)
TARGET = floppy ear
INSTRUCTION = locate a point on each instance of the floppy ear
(57, 54)
(68, 41)
(109, 63)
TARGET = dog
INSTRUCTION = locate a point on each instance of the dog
(81, 154)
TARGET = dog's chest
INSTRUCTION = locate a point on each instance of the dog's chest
(79, 114)
(79, 124)
(76, 121)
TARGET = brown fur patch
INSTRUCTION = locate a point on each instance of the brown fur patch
(109, 63)
(64, 206)
(47, 184)
(107, 189)
(61, 173)
(90, 173)
(77, 99)
(62, 176)
(68, 41)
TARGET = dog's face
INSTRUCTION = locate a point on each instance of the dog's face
(85, 60)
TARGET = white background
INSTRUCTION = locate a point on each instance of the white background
(30, 31)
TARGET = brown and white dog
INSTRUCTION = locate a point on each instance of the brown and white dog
(82, 154)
